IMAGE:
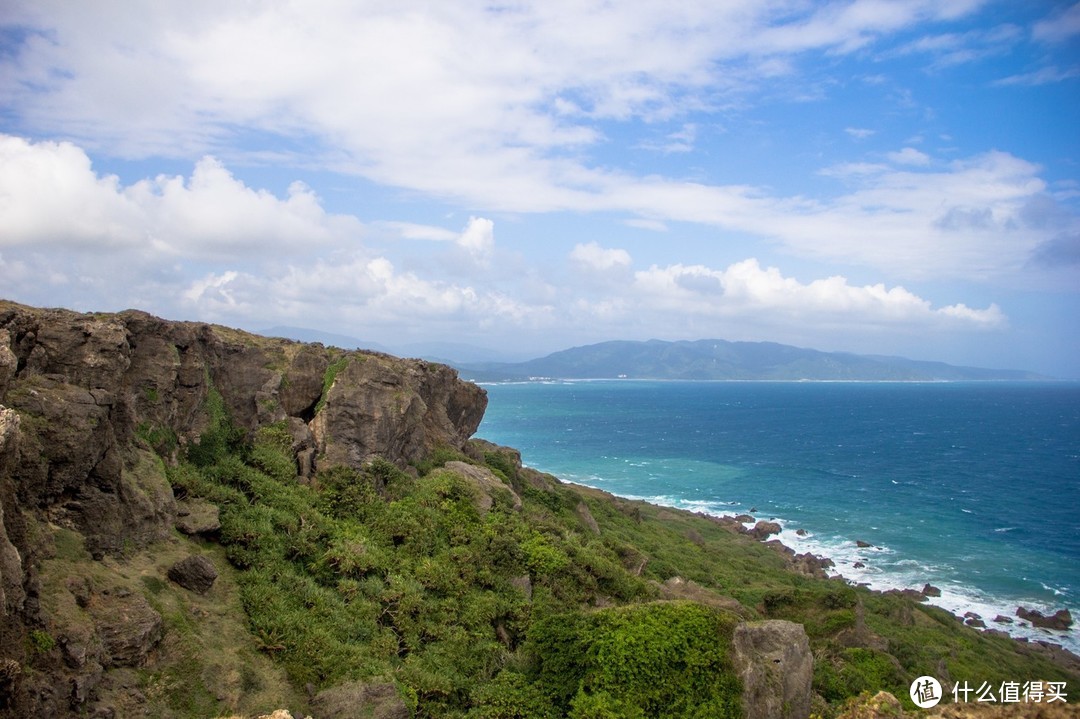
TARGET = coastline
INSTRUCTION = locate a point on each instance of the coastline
(956, 599)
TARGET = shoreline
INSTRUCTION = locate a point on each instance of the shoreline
(1062, 647)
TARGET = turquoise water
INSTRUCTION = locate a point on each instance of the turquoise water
(973, 487)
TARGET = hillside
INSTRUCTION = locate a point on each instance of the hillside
(199, 522)
(723, 360)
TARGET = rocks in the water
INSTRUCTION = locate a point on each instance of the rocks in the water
(763, 529)
(1060, 620)
(862, 544)
(929, 590)
(1002, 619)
(974, 620)
(774, 662)
(743, 518)
(196, 573)
(858, 565)
(801, 532)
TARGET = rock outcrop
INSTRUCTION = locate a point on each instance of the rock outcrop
(93, 407)
(1060, 620)
(774, 662)
(196, 573)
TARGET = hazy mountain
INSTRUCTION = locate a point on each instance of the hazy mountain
(723, 360)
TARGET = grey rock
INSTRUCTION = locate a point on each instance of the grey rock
(774, 662)
(763, 529)
(196, 573)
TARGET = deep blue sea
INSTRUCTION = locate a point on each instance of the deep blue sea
(972, 487)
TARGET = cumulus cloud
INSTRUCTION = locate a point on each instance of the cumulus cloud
(478, 238)
(50, 195)
(361, 291)
(411, 98)
(594, 257)
(747, 289)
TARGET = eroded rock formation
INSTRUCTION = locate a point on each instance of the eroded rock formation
(91, 405)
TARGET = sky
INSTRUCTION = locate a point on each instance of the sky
(875, 176)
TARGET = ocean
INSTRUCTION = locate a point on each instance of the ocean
(972, 487)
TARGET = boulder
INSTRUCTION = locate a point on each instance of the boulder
(1060, 620)
(929, 590)
(1002, 619)
(763, 529)
(196, 573)
(774, 662)
(861, 544)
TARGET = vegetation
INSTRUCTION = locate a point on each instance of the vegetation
(503, 609)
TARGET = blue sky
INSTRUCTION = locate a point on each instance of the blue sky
(889, 177)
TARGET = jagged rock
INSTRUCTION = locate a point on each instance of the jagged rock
(197, 516)
(811, 565)
(1002, 619)
(774, 662)
(862, 544)
(1060, 620)
(929, 590)
(128, 626)
(801, 532)
(12, 594)
(196, 573)
(763, 529)
(370, 700)
(976, 622)
(485, 485)
(8, 361)
(396, 409)
(858, 565)
(743, 518)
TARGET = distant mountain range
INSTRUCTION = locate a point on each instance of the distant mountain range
(723, 360)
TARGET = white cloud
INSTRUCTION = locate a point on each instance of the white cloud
(859, 133)
(595, 257)
(909, 156)
(464, 100)
(478, 238)
(747, 290)
(1060, 27)
(1042, 76)
(51, 196)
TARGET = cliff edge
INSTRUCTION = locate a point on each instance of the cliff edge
(91, 405)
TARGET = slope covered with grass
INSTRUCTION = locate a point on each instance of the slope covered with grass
(479, 588)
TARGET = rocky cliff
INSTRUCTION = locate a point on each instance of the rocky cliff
(91, 403)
